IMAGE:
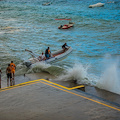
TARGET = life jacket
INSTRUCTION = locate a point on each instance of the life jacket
(46, 52)
(13, 65)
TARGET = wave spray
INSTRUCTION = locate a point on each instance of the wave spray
(110, 79)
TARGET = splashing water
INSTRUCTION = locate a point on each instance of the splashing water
(43, 67)
(78, 73)
(110, 78)
(38, 67)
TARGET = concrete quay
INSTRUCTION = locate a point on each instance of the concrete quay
(45, 100)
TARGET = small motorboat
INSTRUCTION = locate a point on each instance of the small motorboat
(55, 56)
(97, 5)
(67, 26)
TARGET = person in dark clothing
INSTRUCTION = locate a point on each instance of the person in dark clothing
(64, 47)
(9, 75)
(47, 53)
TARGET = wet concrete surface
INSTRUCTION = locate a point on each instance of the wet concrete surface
(40, 101)
(105, 95)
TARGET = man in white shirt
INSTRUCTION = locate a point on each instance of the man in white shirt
(41, 57)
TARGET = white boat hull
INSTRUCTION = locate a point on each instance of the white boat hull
(56, 56)
(96, 5)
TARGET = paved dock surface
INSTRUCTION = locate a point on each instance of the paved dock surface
(42, 100)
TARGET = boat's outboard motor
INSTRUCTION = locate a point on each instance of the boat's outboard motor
(28, 64)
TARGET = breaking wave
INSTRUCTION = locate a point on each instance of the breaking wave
(79, 74)
(108, 80)
(40, 67)
(110, 77)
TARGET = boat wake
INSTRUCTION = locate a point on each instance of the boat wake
(40, 67)
(43, 67)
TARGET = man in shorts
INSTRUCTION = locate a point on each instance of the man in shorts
(13, 68)
(9, 75)
(13, 74)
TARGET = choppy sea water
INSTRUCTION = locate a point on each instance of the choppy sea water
(95, 39)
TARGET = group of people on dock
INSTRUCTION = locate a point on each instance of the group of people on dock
(10, 72)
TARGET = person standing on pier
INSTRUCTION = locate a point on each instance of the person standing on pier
(9, 75)
(13, 68)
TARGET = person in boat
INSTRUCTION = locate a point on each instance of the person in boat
(65, 47)
(71, 22)
(41, 57)
(47, 53)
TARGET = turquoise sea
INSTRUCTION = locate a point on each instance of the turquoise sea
(95, 39)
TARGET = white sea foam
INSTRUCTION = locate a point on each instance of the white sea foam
(78, 73)
(11, 19)
(38, 67)
(110, 78)
(43, 67)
